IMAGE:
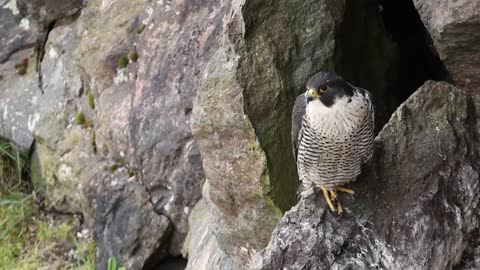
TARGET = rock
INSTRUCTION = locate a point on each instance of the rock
(45, 12)
(201, 246)
(17, 39)
(455, 29)
(125, 224)
(131, 164)
(416, 206)
(242, 107)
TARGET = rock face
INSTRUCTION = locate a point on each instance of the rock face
(109, 122)
(243, 106)
(455, 30)
(416, 206)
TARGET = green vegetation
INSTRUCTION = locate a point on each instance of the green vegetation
(133, 56)
(140, 28)
(22, 66)
(94, 142)
(80, 119)
(122, 61)
(91, 99)
(29, 238)
(112, 264)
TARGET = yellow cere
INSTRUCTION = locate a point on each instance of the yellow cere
(313, 92)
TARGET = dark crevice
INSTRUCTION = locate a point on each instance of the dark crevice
(418, 58)
(40, 52)
(383, 46)
(168, 263)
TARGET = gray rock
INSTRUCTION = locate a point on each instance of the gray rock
(126, 226)
(416, 206)
(201, 246)
(18, 91)
(455, 30)
(45, 12)
(242, 108)
(132, 170)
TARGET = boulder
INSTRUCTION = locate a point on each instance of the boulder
(455, 29)
(109, 122)
(416, 205)
(242, 108)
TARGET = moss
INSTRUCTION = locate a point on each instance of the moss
(91, 99)
(22, 66)
(80, 119)
(21, 71)
(140, 29)
(133, 56)
(94, 142)
(122, 61)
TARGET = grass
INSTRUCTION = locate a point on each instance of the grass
(30, 238)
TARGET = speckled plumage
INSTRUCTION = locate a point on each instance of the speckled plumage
(335, 136)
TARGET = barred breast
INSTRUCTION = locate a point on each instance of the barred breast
(335, 142)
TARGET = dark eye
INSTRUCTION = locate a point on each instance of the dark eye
(323, 89)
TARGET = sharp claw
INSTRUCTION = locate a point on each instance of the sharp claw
(327, 198)
(346, 190)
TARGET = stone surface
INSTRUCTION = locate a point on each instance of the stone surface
(132, 170)
(455, 29)
(201, 246)
(17, 40)
(44, 12)
(416, 206)
(243, 106)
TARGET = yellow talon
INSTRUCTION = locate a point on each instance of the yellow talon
(339, 208)
(327, 198)
(333, 195)
(346, 190)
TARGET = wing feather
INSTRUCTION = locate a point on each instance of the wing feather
(297, 119)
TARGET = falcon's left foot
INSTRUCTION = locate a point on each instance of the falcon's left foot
(331, 197)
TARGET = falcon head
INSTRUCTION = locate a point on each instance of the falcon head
(328, 88)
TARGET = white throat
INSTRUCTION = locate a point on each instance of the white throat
(338, 120)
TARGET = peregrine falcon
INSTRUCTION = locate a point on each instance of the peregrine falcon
(332, 135)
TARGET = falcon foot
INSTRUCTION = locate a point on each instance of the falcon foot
(331, 197)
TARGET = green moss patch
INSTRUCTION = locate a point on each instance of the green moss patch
(22, 66)
(91, 99)
(80, 118)
(122, 61)
(140, 29)
(133, 56)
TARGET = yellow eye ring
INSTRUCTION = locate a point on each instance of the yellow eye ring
(323, 89)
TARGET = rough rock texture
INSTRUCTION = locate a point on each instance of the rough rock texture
(455, 29)
(201, 247)
(243, 106)
(415, 207)
(17, 42)
(44, 12)
(131, 168)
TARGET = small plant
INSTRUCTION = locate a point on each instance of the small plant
(94, 142)
(112, 264)
(122, 61)
(91, 99)
(80, 119)
(22, 66)
(133, 56)
(140, 28)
